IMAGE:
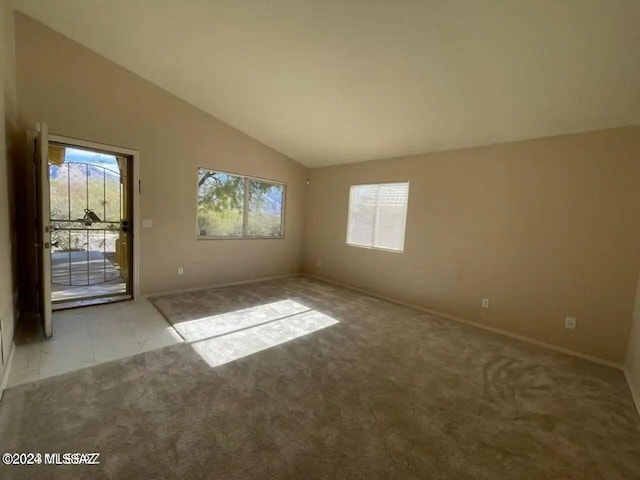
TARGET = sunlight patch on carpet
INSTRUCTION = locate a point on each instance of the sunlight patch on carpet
(214, 325)
(224, 338)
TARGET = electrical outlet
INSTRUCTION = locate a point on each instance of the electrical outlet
(319, 263)
(485, 303)
(180, 271)
(570, 323)
(146, 223)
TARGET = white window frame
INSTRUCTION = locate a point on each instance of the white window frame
(245, 213)
(375, 218)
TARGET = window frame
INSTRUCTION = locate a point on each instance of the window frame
(404, 223)
(245, 177)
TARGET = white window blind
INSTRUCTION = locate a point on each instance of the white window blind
(377, 215)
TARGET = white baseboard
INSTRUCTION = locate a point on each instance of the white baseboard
(7, 370)
(446, 316)
(221, 285)
(634, 388)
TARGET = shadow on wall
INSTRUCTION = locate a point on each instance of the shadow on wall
(22, 207)
(15, 221)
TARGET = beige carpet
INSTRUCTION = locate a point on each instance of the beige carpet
(298, 379)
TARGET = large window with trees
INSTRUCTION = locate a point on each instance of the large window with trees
(236, 206)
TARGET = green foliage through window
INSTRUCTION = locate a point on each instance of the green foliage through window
(237, 206)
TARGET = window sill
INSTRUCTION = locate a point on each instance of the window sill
(240, 238)
(368, 247)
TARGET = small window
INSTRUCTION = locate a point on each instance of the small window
(234, 206)
(377, 216)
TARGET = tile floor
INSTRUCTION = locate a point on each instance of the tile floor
(87, 336)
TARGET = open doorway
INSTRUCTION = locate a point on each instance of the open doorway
(91, 218)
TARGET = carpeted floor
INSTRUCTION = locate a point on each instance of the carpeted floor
(298, 379)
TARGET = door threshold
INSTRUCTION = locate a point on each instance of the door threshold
(89, 302)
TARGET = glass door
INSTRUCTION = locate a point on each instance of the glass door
(90, 212)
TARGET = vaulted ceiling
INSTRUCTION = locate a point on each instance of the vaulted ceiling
(338, 81)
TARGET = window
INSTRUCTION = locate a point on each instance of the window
(234, 206)
(377, 215)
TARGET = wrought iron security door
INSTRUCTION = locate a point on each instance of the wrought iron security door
(90, 229)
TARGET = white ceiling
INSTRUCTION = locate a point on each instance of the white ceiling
(338, 81)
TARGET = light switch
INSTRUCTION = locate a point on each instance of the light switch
(570, 323)
(146, 223)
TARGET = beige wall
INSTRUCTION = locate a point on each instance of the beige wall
(7, 131)
(632, 365)
(544, 228)
(80, 94)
